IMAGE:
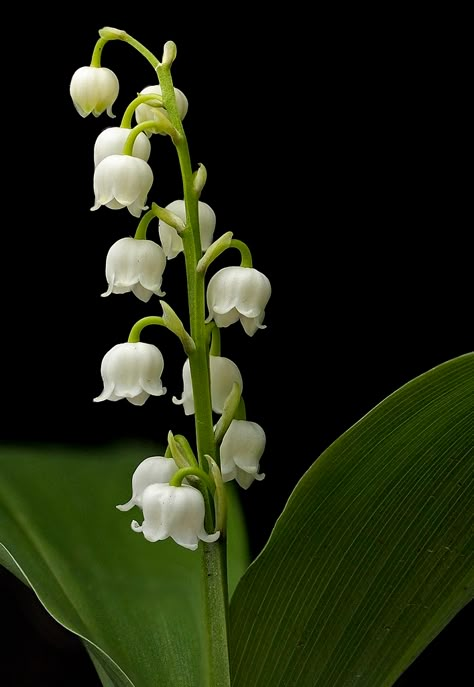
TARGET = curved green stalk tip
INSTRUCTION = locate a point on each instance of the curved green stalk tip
(111, 34)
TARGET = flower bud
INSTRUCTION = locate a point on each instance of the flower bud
(176, 512)
(241, 449)
(111, 141)
(223, 373)
(132, 371)
(238, 293)
(153, 470)
(137, 266)
(94, 89)
(146, 112)
(122, 181)
(171, 241)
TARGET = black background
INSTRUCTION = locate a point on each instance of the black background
(335, 148)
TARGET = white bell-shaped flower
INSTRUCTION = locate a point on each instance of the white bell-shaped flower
(176, 512)
(122, 181)
(223, 373)
(146, 112)
(170, 239)
(94, 89)
(153, 470)
(111, 141)
(135, 265)
(241, 449)
(238, 293)
(132, 371)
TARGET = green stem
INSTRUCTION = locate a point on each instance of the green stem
(199, 359)
(214, 560)
(130, 140)
(134, 336)
(142, 228)
(178, 477)
(147, 54)
(215, 589)
(215, 340)
(109, 33)
(97, 52)
(126, 122)
(245, 254)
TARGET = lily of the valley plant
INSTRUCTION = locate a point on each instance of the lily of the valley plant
(181, 494)
(372, 554)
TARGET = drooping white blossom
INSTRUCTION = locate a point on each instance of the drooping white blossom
(132, 371)
(241, 449)
(170, 239)
(122, 181)
(135, 265)
(111, 141)
(176, 512)
(153, 470)
(223, 373)
(238, 293)
(146, 112)
(94, 90)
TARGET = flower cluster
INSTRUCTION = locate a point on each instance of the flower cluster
(180, 494)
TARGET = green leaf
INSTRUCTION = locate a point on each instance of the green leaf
(372, 555)
(137, 606)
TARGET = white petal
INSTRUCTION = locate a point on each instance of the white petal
(139, 399)
(244, 480)
(111, 141)
(207, 224)
(208, 538)
(94, 90)
(241, 449)
(243, 288)
(252, 325)
(187, 539)
(114, 205)
(224, 373)
(124, 368)
(226, 319)
(152, 470)
(170, 240)
(228, 469)
(187, 398)
(141, 293)
(126, 506)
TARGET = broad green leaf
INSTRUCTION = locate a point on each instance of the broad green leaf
(137, 606)
(372, 555)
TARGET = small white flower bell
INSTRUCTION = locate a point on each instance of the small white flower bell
(122, 181)
(132, 371)
(238, 293)
(153, 470)
(135, 265)
(241, 449)
(223, 373)
(146, 113)
(176, 512)
(94, 89)
(170, 239)
(111, 141)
